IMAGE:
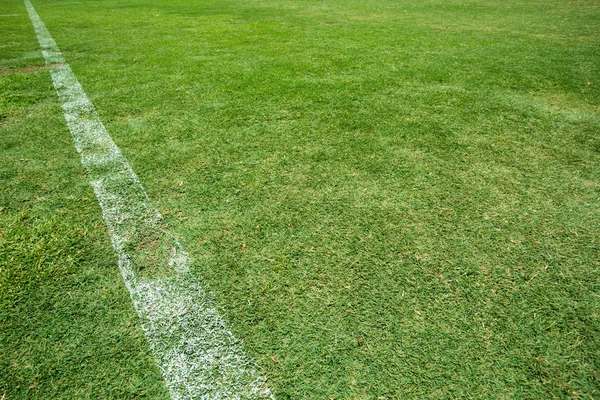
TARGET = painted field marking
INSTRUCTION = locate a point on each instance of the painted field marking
(196, 352)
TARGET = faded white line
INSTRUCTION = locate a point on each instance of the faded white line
(196, 352)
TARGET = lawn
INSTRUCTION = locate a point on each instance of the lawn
(389, 199)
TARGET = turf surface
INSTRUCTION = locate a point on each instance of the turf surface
(389, 199)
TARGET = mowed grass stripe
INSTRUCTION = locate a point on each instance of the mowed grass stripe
(196, 352)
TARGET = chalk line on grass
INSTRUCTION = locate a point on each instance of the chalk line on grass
(196, 352)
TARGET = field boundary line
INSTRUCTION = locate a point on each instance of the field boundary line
(195, 350)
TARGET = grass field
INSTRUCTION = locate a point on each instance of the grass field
(389, 199)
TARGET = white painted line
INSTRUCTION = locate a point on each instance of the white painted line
(196, 352)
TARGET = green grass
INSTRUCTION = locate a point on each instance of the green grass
(67, 328)
(393, 199)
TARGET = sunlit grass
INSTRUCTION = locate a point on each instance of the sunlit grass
(389, 199)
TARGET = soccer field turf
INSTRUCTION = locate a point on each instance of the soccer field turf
(388, 199)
